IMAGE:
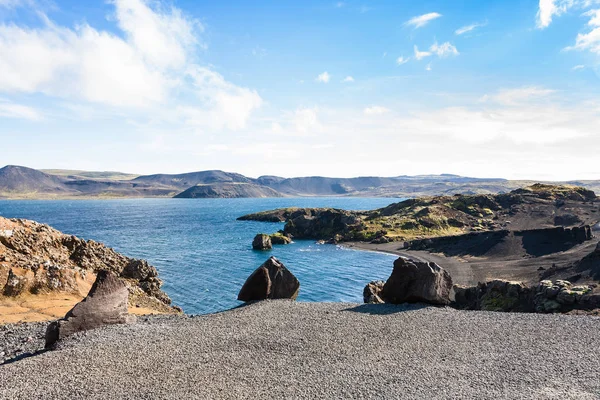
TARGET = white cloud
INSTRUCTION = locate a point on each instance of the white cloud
(324, 77)
(551, 8)
(519, 96)
(401, 60)
(376, 110)
(547, 9)
(428, 67)
(306, 120)
(340, 4)
(591, 40)
(443, 50)
(468, 28)
(348, 79)
(149, 67)
(578, 67)
(422, 20)
(18, 111)
(419, 55)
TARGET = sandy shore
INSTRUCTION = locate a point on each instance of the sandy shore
(282, 349)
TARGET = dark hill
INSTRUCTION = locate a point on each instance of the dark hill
(227, 190)
(22, 180)
(184, 181)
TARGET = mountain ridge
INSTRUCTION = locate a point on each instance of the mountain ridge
(18, 182)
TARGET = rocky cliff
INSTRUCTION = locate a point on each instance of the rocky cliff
(37, 261)
(536, 207)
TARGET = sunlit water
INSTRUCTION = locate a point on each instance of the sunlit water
(203, 254)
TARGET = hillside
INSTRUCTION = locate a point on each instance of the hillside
(227, 191)
(25, 183)
(534, 207)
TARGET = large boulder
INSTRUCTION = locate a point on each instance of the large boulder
(105, 304)
(272, 280)
(417, 282)
(262, 242)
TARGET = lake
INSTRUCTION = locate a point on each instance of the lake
(203, 254)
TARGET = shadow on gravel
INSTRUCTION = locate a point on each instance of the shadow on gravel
(23, 356)
(386, 309)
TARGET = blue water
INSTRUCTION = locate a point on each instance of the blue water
(203, 254)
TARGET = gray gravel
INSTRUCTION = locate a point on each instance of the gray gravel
(281, 349)
(18, 340)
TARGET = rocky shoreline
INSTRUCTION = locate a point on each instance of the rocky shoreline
(44, 272)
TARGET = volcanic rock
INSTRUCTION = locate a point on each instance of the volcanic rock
(105, 304)
(372, 292)
(262, 242)
(415, 281)
(272, 280)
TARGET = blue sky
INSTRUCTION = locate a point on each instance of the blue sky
(338, 88)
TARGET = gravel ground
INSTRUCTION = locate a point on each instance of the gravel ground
(282, 349)
(18, 340)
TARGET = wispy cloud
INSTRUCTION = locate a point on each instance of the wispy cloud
(519, 96)
(348, 79)
(428, 67)
(419, 55)
(324, 77)
(591, 40)
(469, 28)
(422, 20)
(12, 110)
(402, 60)
(444, 49)
(441, 50)
(578, 67)
(376, 110)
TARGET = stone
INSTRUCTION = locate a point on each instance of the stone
(105, 304)
(139, 270)
(415, 281)
(15, 284)
(272, 280)
(262, 242)
(372, 292)
(279, 238)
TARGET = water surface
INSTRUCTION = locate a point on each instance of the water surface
(203, 254)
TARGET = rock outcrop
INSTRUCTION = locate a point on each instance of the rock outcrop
(372, 292)
(37, 259)
(535, 207)
(272, 280)
(105, 304)
(417, 282)
(411, 282)
(280, 238)
(262, 242)
(546, 297)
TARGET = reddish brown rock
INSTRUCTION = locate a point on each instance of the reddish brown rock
(417, 282)
(105, 304)
(272, 280)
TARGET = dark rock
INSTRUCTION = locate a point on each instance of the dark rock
(105, 304)
(415, 281)
(279, 238)
(262, 242)
(15, 285)
(272, 280)
(372, 292)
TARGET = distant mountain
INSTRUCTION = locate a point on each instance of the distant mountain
(184, 181)
(23, 182)
(77, 174)
(16, 180)
(227, 190)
